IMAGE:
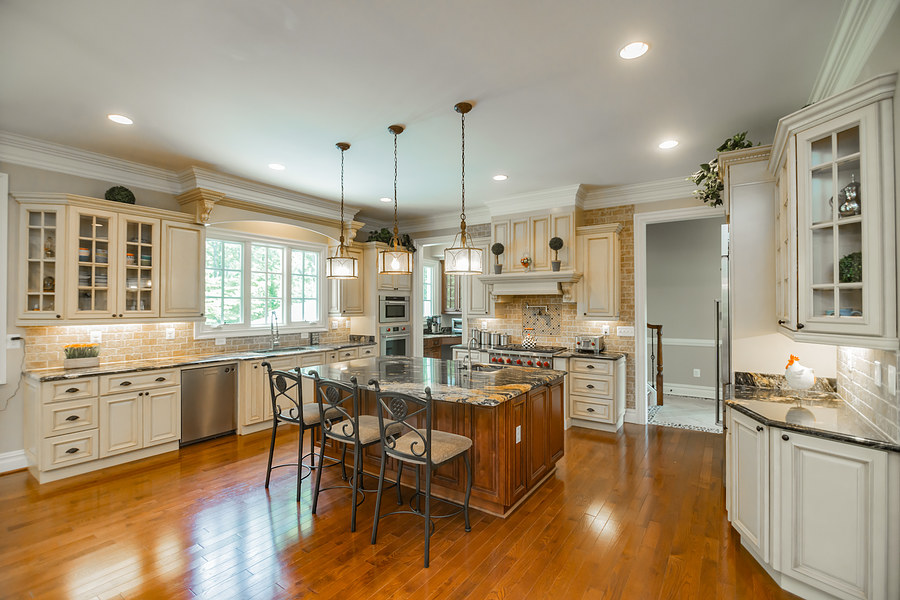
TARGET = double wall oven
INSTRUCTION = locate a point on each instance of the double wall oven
(394, 340)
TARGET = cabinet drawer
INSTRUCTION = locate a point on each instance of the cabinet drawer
(126, 382)
(348, 354)
(590, 365)
(593, 409)
(69, 449)
(70, 389)
(68, 417)
(600, 386)
(310, 360)
(332, 357)
(366, 351)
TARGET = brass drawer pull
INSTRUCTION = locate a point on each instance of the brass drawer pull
(72, 390)
(125, 383)
(71, 450)
(72, 418)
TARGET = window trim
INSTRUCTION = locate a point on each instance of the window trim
(204, 331)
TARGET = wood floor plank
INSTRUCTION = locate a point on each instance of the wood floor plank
(636, 514)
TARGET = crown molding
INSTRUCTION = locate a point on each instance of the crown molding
(30, 152)
(676, 188)
(445, 220)
(570, 195)
(860, 26)
(251, 192)
(875, 89)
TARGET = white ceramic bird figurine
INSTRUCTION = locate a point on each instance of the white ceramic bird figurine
(798, 376)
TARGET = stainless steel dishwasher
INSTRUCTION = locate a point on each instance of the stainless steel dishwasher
(207, 402)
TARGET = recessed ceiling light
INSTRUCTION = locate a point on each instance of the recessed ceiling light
(386, 199)
(276, 166)
(501, 177)
(120, 119)
(634, 50)
(668, 144)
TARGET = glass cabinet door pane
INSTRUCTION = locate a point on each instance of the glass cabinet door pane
(93, 263)
(848, 142)
(822, 199)
(139, 261)
(40, 267)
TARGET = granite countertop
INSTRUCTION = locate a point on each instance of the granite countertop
(564, 354)
(441, 335)
(448, 382)
(130, 366)
(817, 413)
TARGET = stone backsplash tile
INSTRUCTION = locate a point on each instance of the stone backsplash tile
(44, 345)
(856, 383)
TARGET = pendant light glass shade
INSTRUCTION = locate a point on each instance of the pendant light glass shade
(342, 265)
(396, 260)
(462, 258)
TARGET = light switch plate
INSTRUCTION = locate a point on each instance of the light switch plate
(892, 380)
(625, 331)
(220, 341)
(170, 333)
(696, 372)
(518, 433)
(878, 373)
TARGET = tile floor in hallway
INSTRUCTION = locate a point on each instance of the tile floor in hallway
(685, 412)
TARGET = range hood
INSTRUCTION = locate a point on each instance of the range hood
(532, 283)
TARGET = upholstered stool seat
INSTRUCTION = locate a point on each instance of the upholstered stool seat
(444, 446)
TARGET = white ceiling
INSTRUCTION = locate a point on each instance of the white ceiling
(235, 85)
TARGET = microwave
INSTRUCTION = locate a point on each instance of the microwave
(393, 308)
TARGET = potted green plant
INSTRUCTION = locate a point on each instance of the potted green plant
(709, 183)
(81, 355)
(555, 245)
(497, 249)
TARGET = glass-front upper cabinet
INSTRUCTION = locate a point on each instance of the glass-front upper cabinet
(42, 276)
(138, 267)
(92, 262)
(839, 221)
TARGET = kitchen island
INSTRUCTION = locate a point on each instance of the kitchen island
(513, 415)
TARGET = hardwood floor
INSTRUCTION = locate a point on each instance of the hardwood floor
(634, 515)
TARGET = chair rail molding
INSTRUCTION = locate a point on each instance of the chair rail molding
(860, 26)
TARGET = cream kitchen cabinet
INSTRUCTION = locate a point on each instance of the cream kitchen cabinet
(529, 235)
(598, 257)
(73, 426)
(90, 260)
(819, 514)
(477, 301)
(254, 395)
(596, 393)
(390, 282)
(834, 166)
(346, 297)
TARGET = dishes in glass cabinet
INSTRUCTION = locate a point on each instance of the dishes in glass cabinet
(49, 284)
(851, 204)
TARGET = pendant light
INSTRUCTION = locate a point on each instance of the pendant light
(396, 260)
(341, 265)
(462, 258)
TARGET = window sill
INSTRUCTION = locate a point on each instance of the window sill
(207, 333)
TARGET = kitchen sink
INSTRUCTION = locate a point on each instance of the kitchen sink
(282, 349)
(486, 368)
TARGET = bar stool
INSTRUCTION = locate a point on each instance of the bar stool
(287, 407)
(340, 418)
(418, 446)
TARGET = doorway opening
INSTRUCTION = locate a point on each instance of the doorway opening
(678, 281)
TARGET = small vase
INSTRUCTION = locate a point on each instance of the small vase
(498, 269)
(554, 264)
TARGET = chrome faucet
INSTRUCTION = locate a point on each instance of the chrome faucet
(273, 330)
(468, 360)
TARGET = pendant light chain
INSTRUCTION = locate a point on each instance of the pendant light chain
(462, 216)
(396, 231)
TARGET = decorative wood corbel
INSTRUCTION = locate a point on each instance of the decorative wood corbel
(199, 202)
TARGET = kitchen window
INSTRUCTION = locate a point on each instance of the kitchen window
(428, 276)
(251, 278)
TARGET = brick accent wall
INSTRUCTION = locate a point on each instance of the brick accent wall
(44, 345)
(510, 317)
(856, 385)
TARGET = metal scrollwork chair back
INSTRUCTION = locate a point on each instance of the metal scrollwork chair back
(408, 412)
(338, 407)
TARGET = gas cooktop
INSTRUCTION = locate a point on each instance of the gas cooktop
(535, 350)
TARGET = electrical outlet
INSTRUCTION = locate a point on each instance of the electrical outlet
(892, 380)
(518, 433)
(878, 373)
(696, 372)
(96, 337)
(220, 341)
(625, 331)
(604, 330)
(170, 333)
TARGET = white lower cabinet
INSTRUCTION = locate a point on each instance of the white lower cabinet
(750, 483)
(822, 516)
(120, 423)
(255, 396)
(162, 416)
(834, 515)
(596, 393)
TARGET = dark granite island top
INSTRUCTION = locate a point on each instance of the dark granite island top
(514, 417)
(817, 413)
(446, 378)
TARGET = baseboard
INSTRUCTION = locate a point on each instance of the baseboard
(631, 416)
(683, 389)
(12, 461)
